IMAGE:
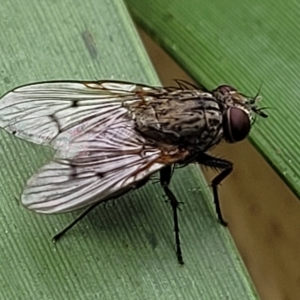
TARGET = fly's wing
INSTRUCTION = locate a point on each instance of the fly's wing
(105, 162)
(99, 154)
(50, 113)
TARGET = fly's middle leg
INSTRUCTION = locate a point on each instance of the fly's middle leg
(165, 178)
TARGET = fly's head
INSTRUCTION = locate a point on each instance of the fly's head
(238, 113)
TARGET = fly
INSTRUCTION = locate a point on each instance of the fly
(110, 137)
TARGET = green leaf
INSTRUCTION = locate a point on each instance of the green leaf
(124, 249)
(247, 44)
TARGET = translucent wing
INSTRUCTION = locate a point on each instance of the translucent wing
(101, 164)
(50, 113)
(100, 154)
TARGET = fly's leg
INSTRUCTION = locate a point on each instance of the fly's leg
(165, 178)
(226, 168)
(57, 236)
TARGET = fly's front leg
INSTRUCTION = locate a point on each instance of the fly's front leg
(165, 178)
(226, 168)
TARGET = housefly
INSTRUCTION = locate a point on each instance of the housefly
(110, 137)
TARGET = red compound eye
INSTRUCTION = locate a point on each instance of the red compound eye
(236, 124)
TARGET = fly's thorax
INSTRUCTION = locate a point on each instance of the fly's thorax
(180, 117)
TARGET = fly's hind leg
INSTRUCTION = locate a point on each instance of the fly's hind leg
(165, 178)
(57, 236)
